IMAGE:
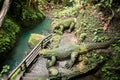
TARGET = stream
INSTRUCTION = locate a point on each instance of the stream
(21, 48)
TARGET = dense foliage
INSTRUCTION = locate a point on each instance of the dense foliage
(8, 35)
(106, 4)
(111, 69)
(19, 17)
(25, 15)
(30, 16)
(68, 2)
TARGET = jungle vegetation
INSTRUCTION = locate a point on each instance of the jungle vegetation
(24, 14)
(20, 17)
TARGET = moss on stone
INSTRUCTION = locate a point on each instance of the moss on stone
(34, 39)
(53, 71)
(89, 62)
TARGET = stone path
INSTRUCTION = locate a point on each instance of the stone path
(40, 66)
(37, 71)
(68, 38)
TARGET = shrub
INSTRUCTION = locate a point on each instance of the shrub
(8, 35)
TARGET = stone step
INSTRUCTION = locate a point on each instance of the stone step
(33, 76)
(29, 78)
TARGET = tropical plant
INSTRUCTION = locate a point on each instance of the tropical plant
(4, 70)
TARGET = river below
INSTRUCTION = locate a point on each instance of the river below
(21, 48)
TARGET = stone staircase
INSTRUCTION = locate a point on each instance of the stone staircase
(37, 72)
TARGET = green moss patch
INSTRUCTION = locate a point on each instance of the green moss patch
(34, 39)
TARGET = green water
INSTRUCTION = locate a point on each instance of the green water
(21, 48)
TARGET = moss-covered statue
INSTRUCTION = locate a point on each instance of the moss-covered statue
(89, 62)
(73, 51)
(63, 25)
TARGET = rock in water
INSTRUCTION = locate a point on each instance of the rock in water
(34, 39)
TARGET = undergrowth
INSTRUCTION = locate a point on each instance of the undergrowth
(8, 36)
(111, 70)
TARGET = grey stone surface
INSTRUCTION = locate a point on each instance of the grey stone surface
(68, 38)
(40, 67)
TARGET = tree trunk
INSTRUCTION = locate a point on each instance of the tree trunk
(4, 10)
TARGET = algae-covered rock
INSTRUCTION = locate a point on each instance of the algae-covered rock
(34, 39)
(53, 71)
